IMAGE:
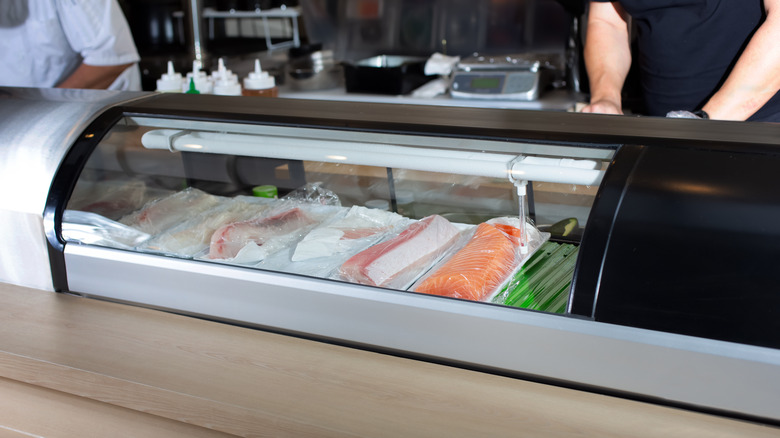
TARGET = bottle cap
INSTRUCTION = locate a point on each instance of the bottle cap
(170, 82)
(192, 89)
(221, 72)
(200, 79)
(266, 191)
(259, 79)
(225, 82)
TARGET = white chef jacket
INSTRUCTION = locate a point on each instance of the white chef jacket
(58, 35)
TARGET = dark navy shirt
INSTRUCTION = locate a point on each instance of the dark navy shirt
(686, 48)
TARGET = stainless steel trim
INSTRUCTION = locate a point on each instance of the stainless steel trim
(718, 375)
(37, 128)
(427, 142)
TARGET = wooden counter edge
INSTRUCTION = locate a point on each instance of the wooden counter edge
(160, 364)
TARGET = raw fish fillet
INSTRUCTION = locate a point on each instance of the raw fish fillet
(159, 215)
(397, 261)
(228, 240)
(109, 199)
(194, 236)
(360, 233)
(476, 270)
(355, 228)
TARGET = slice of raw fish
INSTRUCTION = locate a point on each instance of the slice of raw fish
(346, 234)
(159, 215)
(229, 239)
(479, 268)
(194, 235)
(111, 199)
(396, 262)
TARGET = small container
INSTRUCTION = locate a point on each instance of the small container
(313, 70)
(404, 201)
(265, 191)
(379, 204)
(384, 74)
(170, 82)
(259, 83)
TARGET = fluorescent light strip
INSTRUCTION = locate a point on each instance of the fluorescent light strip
(330, 151)
(377, 154)
(581, 172)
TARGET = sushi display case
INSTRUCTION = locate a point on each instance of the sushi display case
(631, 256)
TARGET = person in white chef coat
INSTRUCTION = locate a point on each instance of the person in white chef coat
(67, 44)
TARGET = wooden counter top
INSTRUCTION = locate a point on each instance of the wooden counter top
(72, 366)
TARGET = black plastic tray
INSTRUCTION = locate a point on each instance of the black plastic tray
(385, 74)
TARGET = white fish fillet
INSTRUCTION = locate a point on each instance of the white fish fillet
(342, 235)
(159, 215)
(230, 239)
(396, 262)
(194, 236)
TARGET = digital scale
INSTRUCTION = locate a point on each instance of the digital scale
(507, 77)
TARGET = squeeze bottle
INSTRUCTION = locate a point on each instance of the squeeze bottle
(225, 82)
(199, 78)
(170, 82)
(259, 83)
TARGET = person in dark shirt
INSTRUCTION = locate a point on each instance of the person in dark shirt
(714, 58)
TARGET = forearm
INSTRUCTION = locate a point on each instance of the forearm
(91, 76)
(756, 74)
(607, 55)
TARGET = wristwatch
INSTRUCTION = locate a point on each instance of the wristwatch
(701, 114)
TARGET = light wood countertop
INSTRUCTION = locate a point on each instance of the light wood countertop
(69, 363)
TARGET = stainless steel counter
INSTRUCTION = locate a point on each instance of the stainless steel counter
(556, 100)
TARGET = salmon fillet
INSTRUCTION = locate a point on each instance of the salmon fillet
(477, 269)
(396, 262)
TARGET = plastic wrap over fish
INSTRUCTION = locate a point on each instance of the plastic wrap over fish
(477, 270)
(315, 194)
(159, 215)
(398, 261)
(113, 199)
(94, 229)
(320, 252)
(292, 217)
(193, 236)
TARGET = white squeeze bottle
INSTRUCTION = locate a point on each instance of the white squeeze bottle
(199, 78)
(170, 82)
(259, 83)
(225, 81)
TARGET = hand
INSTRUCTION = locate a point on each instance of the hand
(92, 76)
(687, 115)
(603, 107)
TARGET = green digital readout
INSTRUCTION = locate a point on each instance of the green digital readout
(485, 83)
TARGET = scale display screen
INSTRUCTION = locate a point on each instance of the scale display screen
(485, 83)
(509, 85)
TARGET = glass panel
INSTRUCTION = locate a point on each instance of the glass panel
(425, 214)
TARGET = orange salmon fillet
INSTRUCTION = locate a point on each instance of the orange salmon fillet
(477, 269)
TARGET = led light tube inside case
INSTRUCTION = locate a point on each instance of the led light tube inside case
(376, 154)
(566, 170)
